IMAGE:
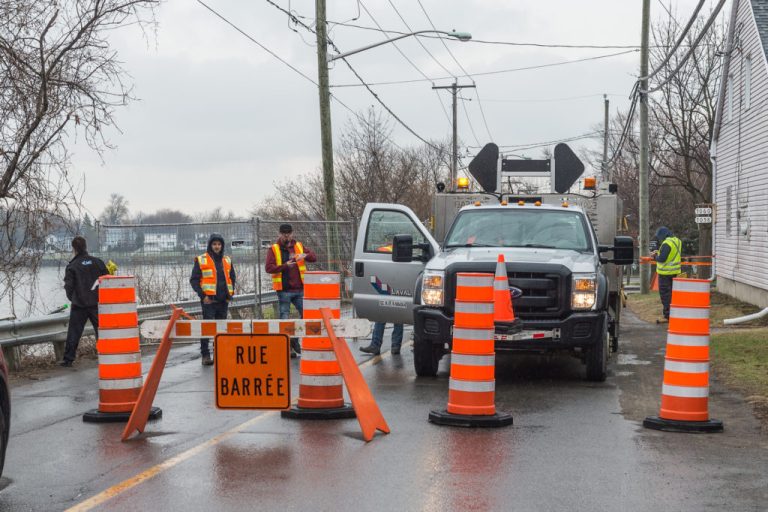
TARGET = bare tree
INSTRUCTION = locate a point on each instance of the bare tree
(59, 78)
(116, 212)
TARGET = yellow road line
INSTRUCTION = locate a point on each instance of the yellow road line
(155, 470)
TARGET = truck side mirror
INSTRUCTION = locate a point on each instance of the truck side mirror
(402, 248)
(623, 250)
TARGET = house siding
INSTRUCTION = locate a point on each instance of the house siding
(741, 234)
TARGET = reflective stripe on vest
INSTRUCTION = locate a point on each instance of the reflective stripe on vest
(208, 270)
(671, 267)
(277, 278)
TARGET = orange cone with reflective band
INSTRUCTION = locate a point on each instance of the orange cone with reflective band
(685, 390)
(504, 312)
(120, 378)
(321, 392)
(471, 387)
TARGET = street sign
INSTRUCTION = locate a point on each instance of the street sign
(523, 167)
(252, 371)
(703, 220)
(703, 211)
(484, 167)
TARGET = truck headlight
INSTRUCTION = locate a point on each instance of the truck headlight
(583, 291)
(432, 288)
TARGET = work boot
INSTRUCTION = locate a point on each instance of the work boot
(65, 364)
(663, 320)
(295, 345)
(395, 351)
(206, 361)
(370, 349)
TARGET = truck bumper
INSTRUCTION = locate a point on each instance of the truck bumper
(576, 330)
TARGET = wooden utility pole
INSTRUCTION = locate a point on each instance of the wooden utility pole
(454, 87)
(643, 237)
(326, 135)
(606, 173)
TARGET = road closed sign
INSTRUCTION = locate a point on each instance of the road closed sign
(252, 371)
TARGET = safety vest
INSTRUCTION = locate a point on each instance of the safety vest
(671, 267)
(208, 268)
(277, 278)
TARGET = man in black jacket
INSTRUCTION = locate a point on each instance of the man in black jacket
(82, 273)
(213, 279)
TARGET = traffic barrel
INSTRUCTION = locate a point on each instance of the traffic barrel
(117, 345)
(685, 388)
(321, 392)
(471, 387)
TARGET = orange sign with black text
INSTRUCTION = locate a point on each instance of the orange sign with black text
(252, 371)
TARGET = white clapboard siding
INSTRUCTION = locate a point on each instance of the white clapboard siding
(743, 140)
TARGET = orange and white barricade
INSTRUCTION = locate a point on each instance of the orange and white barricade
(471, 387)
(321, 391)
(685, 390)
(120, 379)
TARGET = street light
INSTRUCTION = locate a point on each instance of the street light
(461, 36)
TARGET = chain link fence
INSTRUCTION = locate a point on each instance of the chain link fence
(161, 255)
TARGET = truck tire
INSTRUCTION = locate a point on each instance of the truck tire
(597, 357)
(426, 357)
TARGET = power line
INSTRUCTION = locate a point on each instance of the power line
(678, 42)
(534, 145)
(512, 70)
(469, 122)
(547, 100)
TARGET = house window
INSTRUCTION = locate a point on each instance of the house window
(747, 82)
(728, 208)
(729, 106)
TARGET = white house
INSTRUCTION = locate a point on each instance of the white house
(739, 153)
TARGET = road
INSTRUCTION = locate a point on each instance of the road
(574, 445)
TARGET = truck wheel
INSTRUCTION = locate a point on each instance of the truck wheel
(597, 358)
(426, 357)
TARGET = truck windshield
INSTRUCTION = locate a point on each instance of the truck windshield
(511, 227)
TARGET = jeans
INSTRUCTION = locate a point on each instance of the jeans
(77, 318)
(285, 299)
(378, 335)
(212, 311)
(665, 292)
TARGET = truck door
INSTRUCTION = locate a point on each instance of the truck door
(383, 289)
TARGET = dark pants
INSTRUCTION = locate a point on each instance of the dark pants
(665, 292)
(77, 318)
(212, 311)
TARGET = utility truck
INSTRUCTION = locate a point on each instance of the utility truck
(563, 260)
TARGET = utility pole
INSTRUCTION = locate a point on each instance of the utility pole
(454, 87)
(606, 173)
(326, 135)
(643, 237)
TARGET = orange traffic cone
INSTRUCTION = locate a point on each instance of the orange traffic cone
(685, 390)
(503, 311)
(654, 282)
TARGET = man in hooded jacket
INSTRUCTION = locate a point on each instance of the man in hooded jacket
(82, 272)
(668, 259)
(213, 279)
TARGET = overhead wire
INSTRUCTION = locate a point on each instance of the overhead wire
(677, 43)
(501, 71)
(466, 114)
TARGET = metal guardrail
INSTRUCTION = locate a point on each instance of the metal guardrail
(53, 328)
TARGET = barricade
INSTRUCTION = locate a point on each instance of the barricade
(321, 392)
(685, 389)
(119, 352)
(471, 387)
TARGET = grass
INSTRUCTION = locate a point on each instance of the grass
(741, 360)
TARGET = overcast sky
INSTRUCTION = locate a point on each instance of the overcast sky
(219, 120)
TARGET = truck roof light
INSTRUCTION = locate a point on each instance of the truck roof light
(478, 203)
(462, 183)
(590, 183)
(521, 203)
(537, 203)
(565, 204)
(503, 203)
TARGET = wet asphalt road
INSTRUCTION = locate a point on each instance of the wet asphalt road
(574, 446)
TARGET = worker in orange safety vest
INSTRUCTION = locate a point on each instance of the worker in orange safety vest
(213, 279)
(286, 261)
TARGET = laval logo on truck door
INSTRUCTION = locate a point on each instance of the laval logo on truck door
(383, 288)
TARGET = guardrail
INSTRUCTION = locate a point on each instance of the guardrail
(53, 328)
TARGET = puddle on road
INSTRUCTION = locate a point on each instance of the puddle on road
(627, 359)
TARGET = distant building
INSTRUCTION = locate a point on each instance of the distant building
(740, 155)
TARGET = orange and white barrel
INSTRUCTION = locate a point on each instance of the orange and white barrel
(685, 388)
(118, 348)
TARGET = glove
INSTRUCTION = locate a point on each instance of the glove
(111, 267)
